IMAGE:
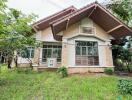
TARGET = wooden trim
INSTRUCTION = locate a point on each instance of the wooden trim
(92, 10)
(35, 29)
(54, 15)
(75, 13)
(113, 29)
(67, 23)
(115, 18)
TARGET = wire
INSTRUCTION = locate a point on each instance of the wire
(109, 45)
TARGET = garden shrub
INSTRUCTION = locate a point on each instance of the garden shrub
(125, 86)
(109, 71)
(63, 71)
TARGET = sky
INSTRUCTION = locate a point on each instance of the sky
(44, 8)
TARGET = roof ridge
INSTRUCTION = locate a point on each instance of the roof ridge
(55, 14)
(68, 15)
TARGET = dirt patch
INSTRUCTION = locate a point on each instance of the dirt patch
(123, 74)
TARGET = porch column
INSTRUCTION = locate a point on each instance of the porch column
(64, 53)
(36, 59)
(109, 59)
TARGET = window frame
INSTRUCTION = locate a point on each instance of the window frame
(30, 50)
(81, 29)
(52, 47)
(87, 55)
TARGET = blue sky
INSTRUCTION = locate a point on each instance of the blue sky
(44, 8)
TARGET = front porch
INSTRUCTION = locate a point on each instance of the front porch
(48, 57)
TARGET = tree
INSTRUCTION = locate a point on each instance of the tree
(122, 58)
(15, 31)
(123, 10)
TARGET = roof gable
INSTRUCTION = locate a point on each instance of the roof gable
(95, 12)
(45, 23)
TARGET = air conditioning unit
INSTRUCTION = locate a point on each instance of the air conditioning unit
(51, 62)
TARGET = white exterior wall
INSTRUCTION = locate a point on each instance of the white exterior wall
(100, 36)
(71, 50)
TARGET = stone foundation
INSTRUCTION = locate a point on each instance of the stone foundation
(74, 70)
(24, 65)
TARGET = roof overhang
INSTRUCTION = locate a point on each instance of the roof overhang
(99, 15)
(45, 23)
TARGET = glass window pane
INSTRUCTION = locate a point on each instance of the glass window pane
(45, 46)
(44, 53)
(24, 53)
(89, 43)
(59, 53)
(95, 51)
(95, 44)
(90, 51)
(32, 53)
(55, 53)
(58, 59)
(83, 50)
(49, 46)
(59, 46)
(54, 46)
(83, 43)
(78, 50)
(49, 53)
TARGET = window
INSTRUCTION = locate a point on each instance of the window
(87, 53)
(51, 51)
(28, 52)
(88, 30)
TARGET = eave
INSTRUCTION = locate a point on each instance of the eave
(99, 15)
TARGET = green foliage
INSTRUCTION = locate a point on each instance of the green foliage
(123, 10)
(15, 30)
(122, 57)
(24, 70)
(63, 71)
(125, 86)
(108, 71)
(49, 86)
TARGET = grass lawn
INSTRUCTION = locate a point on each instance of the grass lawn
(50, 86)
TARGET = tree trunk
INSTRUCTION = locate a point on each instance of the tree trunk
(16, 63)
(31, 64)
(9, 63)
(129, 70)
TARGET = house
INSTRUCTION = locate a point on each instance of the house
(79, 39)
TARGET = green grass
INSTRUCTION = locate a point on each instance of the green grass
(50, 86)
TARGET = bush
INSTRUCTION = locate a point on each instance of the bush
(108, 71)
(125, 86)
(63, 71)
